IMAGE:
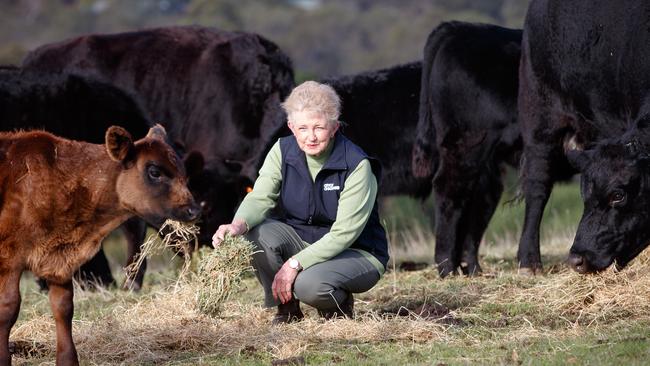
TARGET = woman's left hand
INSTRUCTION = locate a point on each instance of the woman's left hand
(283, 283)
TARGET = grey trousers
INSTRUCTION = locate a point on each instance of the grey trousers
(324, 285)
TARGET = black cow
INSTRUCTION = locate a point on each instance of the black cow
(467, 130)
(217, 94)
(379, 113)
(77, 108)
(585, 83)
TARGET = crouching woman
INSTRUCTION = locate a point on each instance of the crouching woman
(313, 214)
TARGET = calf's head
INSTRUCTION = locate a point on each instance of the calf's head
(615, 187)
(152, 182)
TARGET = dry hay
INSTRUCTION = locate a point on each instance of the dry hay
(220, 272)
(588, 299)
(163, 326)
(177, 236)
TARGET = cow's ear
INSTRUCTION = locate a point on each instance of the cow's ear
(194, 163)
(578, 159)
(157, 132)
(119, 143)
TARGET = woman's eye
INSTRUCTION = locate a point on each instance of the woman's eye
(616, 197)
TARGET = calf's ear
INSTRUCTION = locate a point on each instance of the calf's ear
(578, 159)
(119, 143)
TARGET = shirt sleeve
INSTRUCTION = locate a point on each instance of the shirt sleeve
(266, 190)
(355, 206)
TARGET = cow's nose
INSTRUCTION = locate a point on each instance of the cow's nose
(577, 262)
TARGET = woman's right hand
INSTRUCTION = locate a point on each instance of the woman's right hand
(236, 227)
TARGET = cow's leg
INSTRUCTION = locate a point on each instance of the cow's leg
(61, 296)
(450, 197)
(476, 217)
(96, 270)
(537, 185)
(541, 134)
(134, 230)
(9, 307)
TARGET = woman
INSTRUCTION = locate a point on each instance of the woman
(324, 240)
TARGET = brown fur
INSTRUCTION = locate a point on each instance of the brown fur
(60, 198)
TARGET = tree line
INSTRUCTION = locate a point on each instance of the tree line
(322, 37)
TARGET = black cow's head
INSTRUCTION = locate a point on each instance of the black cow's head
(615, 186)
(217, 193)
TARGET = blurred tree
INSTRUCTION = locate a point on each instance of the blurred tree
(323, 37)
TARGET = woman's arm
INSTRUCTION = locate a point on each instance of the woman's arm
(259, 201)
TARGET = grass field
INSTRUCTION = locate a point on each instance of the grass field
(409, 318)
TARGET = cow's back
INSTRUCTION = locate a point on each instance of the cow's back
(592, 55)
(204, 85)
(471, 70)
(67, 105)
(380, 112)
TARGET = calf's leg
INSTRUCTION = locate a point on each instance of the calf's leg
(61, 296)
(9, 307)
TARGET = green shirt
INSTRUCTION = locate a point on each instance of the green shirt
(355, 205)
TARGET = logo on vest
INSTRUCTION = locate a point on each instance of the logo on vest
(330, 187)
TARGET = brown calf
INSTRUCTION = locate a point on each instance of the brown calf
(60, 198)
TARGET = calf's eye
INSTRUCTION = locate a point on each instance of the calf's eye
(154, 172)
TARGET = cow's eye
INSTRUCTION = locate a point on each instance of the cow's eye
(154, 172)
(616, 198)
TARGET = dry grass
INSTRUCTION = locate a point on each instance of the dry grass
(590, 299)
(177, 236)
(492, 312)
(220, 272)
(165, 324)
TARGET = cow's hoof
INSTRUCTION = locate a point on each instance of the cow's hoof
(471, 270)
(130, 285)
(529, 271)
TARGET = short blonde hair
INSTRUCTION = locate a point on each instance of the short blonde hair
(315, 97)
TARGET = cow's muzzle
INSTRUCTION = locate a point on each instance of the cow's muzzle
(579, 263)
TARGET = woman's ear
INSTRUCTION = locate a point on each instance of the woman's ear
(337, 124)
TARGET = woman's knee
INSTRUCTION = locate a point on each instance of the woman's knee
(315, 293)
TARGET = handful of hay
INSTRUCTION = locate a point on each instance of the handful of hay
(178, 236)
(220, 272)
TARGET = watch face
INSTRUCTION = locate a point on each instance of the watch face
(293, 263)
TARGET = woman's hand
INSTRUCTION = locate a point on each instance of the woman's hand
(283, 283)
(236, 227)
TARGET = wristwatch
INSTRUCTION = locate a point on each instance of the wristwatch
(294, 264)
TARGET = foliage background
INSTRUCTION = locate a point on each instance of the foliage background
(323, 37)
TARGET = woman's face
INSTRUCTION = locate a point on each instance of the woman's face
(312, 131)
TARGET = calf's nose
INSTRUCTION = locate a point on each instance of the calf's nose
(577, 262)
(193, 212)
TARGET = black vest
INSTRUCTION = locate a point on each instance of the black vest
(310, 207)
